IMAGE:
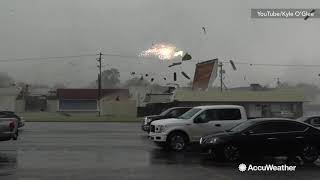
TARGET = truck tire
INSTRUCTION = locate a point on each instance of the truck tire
(177, 141)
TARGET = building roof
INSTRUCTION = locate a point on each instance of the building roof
(240, 96)
(88, 93)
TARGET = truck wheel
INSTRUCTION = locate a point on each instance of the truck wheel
(15, 135)
(231, 153)
(177, 141)
(310, 154)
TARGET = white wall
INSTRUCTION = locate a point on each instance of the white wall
(255, 110)
(20, 106)
(7, 102)
(8, 98)
(52, 105)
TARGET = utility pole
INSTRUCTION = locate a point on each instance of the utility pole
(278, 82)
(99, 81)
(221, 78)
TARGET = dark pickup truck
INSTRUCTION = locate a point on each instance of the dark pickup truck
(169, 113)
(10, 114)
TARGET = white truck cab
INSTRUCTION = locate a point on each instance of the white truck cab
(176, 133)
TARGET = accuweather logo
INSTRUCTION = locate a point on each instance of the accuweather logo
(268, 167)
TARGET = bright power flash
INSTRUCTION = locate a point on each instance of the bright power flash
(162, 51)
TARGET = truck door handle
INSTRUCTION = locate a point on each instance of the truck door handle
(272, 138)
(218, 125)
(299, 137)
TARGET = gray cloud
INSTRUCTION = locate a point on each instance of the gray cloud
(40, 28)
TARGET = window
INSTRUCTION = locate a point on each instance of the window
(278, 127)
(189, 114)
(264, 128)
(205, 116)
(291, 127)
(219, 115)
(173, 113)
(182, 111)
(85, 105)
(242, 126)
(165, 112)
(228, 114)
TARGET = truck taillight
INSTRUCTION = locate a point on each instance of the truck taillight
(12, 126)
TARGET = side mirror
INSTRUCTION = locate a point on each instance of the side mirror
(198, 120)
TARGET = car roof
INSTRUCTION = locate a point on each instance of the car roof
(182, 107)
(310, 116)
(218, 106)
(271, 119)
(179, 108)
(257, 120)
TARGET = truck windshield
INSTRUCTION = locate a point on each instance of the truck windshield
(166, 112)
(189, 114)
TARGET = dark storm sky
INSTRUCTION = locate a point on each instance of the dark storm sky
(44, 28)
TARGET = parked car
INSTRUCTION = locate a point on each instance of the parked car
(264, 137)
(169, 113)
(177, 133)
(313, 120)
(10, 114)
(8, 129)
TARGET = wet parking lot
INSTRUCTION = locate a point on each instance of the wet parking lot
(114, 151)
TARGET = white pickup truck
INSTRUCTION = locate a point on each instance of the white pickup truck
(177, 133)
(8, 129)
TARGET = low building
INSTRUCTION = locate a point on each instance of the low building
(268, 103)
(8, 98)
(86, 100)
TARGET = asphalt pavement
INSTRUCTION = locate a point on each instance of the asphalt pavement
(92, 151)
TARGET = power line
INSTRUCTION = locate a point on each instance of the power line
(140, 57)
(44, 58)
(275, 65)
(73, 56)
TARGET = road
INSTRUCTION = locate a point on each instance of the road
(92, 151)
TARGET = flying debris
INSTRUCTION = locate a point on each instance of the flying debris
(185, 75)
(133, 73)
(175, 64)
(174, 76)
(72, 63)
(233, 65)
(206, 72)
(186, 57)
(165, 79)
(162, 51)
(152, 79)
(204, 30)
(146, 75)
(311, 12)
